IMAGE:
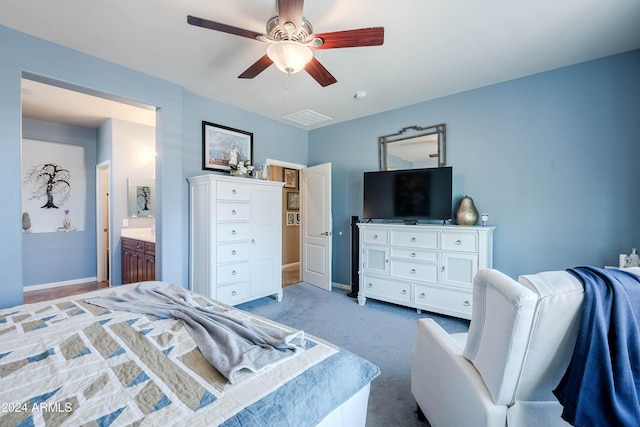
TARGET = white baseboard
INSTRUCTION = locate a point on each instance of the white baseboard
(341, 286)
(58, 284)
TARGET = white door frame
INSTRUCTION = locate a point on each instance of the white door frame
(103, 216)
(289, 165)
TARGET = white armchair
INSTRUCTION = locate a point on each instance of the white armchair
(502, 372)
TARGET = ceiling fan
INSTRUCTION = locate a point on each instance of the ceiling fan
(291, 38)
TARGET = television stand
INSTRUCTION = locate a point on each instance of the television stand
(427, 267)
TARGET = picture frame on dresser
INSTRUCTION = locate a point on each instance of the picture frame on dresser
(218, 142)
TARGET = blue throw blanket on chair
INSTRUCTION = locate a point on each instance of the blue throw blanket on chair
(601, 386)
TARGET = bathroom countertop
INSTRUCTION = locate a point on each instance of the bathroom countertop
(144, 234)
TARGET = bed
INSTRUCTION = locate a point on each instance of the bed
(69, 362)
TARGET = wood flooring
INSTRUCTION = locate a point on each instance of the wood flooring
(62, 291)
(290, 276)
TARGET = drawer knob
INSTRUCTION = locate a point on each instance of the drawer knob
(233, 212)
(234, 191)
(375, 236)
(233, 273)
(233, 232)
(404, 292)
(234, 293)
(458, 242)
(466, 304)
(370, 285)
(442, 268)
(233, 252)
(413, 239)
(412, 271)
(422, 295)
(413, 255)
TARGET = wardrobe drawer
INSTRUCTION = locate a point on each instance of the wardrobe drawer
(464, 242)
(230, 252)
(387, 289)
(230, 211)
(231, 294)
(235, 272)
(444, 301)
(232, 231)
(414, 271)
(415, 255)
(414, 238)
(231, 190)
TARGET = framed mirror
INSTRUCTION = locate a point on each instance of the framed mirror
(141, 197)
(414, 147)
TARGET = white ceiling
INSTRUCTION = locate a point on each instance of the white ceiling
(432, 48)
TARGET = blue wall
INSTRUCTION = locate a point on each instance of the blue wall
(22, 53)
(178, 144)
(552, 158)
(57, 257)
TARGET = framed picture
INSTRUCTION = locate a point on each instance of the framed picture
(218, 144)
(293, 200)
(291, 218)
(290, 178)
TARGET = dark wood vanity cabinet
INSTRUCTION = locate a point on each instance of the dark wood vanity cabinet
(138, 260)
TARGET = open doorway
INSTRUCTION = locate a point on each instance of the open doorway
(52, 105)
(289, 173)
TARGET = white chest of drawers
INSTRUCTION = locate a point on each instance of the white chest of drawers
(235, 238)
(427, 267)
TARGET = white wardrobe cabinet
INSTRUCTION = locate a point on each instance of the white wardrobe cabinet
(235, 234)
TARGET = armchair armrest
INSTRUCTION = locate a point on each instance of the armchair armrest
(445, 385)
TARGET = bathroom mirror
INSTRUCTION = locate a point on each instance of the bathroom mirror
(141, 197)
(414, 147)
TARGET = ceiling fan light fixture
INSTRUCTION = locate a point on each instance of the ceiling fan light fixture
(290, 57)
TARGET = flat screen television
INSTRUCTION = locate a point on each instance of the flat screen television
(411, 194)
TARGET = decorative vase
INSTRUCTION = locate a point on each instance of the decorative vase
(67, 222)
(467, 214)
(26, 222)
(236, 172)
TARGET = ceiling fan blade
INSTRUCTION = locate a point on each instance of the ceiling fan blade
(217, 26)
(351, 38)
(319, 73)
(259, 66)
(290, 11)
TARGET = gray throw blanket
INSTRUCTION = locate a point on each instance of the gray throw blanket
(229, 344)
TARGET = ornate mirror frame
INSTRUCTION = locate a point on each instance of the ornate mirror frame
(414, 147)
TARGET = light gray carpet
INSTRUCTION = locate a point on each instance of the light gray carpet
(380, 332)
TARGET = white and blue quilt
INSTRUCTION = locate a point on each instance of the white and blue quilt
(68, 362)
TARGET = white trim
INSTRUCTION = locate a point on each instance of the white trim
(341, 286)
(58, 284)
(285, 164)
(102, 255)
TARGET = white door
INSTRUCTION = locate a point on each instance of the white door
(316, 225)
(103, 247)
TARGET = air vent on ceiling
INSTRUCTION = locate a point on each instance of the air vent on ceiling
(306, 118)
